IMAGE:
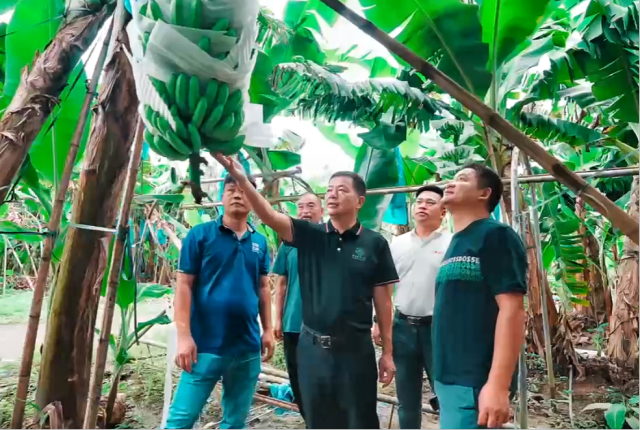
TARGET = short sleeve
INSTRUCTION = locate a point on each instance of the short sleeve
(503, 262)
(190, 255)
(264, 258)
(280, 265)
(385, 268)
(306, 234)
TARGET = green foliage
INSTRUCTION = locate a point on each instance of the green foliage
(33, 25)
(447, 32)
(508, 23)
(607, 57)
(552, 129)
(379, 169)
(317, 93)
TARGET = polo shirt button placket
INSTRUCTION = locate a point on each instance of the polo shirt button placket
(340, 239)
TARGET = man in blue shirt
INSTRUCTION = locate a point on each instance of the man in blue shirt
(222, 288)
(288, 302)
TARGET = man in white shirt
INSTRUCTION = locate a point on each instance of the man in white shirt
(417, 256)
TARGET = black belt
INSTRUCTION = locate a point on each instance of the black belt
(325, 341)
(414, 320)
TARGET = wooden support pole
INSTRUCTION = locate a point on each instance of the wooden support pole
(517, 225)
(546, 329)
(50, 241)
(589, 194)
(95, 390)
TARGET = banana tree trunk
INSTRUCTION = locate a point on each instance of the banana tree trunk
(66, 361)
(599, 303)
(623, 335)
(563, 350)
(40, 89)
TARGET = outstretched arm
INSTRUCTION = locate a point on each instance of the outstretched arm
(280, 223)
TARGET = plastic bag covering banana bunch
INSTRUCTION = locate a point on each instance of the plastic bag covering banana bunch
(192, 61)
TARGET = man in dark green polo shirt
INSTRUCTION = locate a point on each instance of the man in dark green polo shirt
(343, 268)
(288, 303)
(479, 318)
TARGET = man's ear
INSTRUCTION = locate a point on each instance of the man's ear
(485, 193)
(360, 201)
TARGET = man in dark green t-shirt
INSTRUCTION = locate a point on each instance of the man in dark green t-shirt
(344, 270)
(479, 318)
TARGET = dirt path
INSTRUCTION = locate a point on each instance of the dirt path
(12, 340)
(12, 335)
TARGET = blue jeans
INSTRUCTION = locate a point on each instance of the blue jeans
(458, 406)
(239, 375)
(412, 354)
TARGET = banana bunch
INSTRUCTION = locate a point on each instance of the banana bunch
(206, 116)
(193, 20)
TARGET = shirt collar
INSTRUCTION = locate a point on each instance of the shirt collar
(355, 230)
(223, 227)
(436, 233)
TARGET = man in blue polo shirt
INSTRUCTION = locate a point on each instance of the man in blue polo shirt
(222, 288)
(288, 300)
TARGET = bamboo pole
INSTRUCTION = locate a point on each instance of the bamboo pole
(54, 225)
(619, 218)
(4, 266)
(516, 224)
(95, 390)
(529, 179)
(546, 330)
(266, 175)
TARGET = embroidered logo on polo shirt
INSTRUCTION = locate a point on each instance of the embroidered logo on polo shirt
(255, 247)
(358, 254)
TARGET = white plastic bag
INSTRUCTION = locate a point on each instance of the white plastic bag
(174, 49)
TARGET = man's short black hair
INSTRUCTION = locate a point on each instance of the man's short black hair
(488, 178)
(358, 183)
(433, 188)
(231, 180)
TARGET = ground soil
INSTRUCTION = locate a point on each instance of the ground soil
(143, 385)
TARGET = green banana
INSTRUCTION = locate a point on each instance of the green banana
(194, 94)
(176, 12)
(174, 176)
(211, 91)
(196, 14)
(171, 88)
(229, 127)
(172, 137)
(154, 11)
(221, 55)
(182, 91)
(232, 147)
(148, 113)
(232, 33)
(212, 121)
(180, 128)
(200, 112)
(221, 130)
(148, 136)
(221, 25)
(161, 88)
(233, 102)
(223, 94)
(205, 44)
(196, 140)
(145, 39)
(168, 150)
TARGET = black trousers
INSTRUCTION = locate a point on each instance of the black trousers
(339, 384)
(290, 344)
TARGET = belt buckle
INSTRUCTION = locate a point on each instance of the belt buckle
(325, 342)
(413, 320)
